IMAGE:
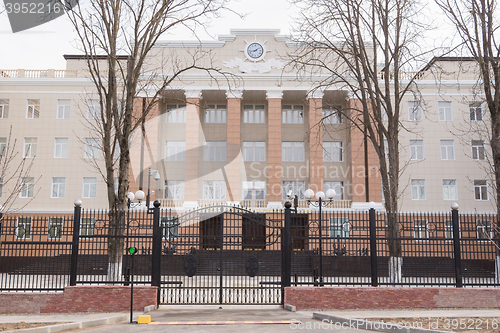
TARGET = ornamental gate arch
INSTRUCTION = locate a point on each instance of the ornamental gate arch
(221, 255)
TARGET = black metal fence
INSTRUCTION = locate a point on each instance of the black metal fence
(229, 255)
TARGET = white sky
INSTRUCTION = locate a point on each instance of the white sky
(43, 47)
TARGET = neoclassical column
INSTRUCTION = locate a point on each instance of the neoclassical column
(315, 101)
(233, 153)
(193, 145)
(274, 148)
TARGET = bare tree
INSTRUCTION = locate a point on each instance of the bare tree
(117, 38)
(369, 49)
(15, 176)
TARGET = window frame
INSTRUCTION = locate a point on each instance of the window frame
(90, 186)
(89, 231)
(296, 147)
(59, 187)
(418, 229)
(292, 114)
(180, 150)
(254, 113)
(414, 149)
(442, 111)
(442, 144)
(415, 111)
(92, 148)
(473, 110)
(177, 185)
(93, 109)
(61, 146)
(32, 147)
(217, 189)
(24, 227)
(298, 188)
(175, 113)
(59, 225)
(334, 230)
(27, 188)
(483, 188)
(476, 148)
(166, 224)
(215, 114)
(329, 154)
(34, 114)
(66, 109)
(253, 147)
(4, 108)
(335, 185)
(418, 188)
(215, 151)
(455, 187)
(332, 115)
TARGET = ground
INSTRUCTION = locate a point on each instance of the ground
(22, 325)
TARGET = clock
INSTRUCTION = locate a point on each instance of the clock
(255, 50)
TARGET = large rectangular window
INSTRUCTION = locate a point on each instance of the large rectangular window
(91, 148)
(448, 229)
(292, 152)
(420, 228)
(415, 112)
(254, 151)
(89, 187)
(478, 152)
(58, 187)
(175, 150)
(30, 147)
(254, 114)
(63, 109)
(450, 189)
(445, 111)
(297, 188)
(484, 229)
(254, 190)
(416, 149)
(61, 147)
(170, 227)
(55, 227)
(292, 114)
(333, 151)
(337, 186)
(176, 113)
(339, 227)
(447, 150)
(4, 108)
(214, 189)
(418, 189)
(174, 189)
(27, 187)
(475, 111)
(33, 109)
(481, 189)
(23, 230)
(93, 109)
(332, 115)
(215, 114)
(87, 225)
(214, 151)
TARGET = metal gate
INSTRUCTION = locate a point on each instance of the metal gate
(221, 255)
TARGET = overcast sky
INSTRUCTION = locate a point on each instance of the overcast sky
(43, 47)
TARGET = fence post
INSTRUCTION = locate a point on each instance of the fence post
(156, 264)
(456, 245)
(76, 242)
(373, 246)
(286, 250)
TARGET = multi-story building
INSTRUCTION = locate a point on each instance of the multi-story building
(249, 135)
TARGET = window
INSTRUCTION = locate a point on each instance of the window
(254, 190)
(450, 189)
(478, 152)
(214, 151)
(175, 150)
(27, 187)
(333, 151)
(91, 148)
(339, 227)
(337, 186)
(63, 108)
(3, 147)
(448, 229)
(292, 151)
(297, 187)
(30, 147)
(87, 225)
(332, 115)
(418, 189)
(416, 149)
(484, 229)
(215, 114)
(23, 230)
(254, 151)
(4, 108)
(61, 148)
(447, 150)
(292, 114)
(58, 187)
(481, 189)
(116, 184)
(93, 109)
(254, 114)
(214, 189)
(386, 149)
(420, 228)
(176, 113)
(444, 111)
(89, 187)
(55, 227)
(170, 227)
(475, 111)
(33, 109)
(415, 112)
(174, 189)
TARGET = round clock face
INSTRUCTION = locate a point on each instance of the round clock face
(255, 50)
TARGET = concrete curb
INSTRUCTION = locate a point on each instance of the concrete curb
(346, 323)
(73, 326)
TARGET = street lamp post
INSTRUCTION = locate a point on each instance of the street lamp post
(330, 194)
(156, 178)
